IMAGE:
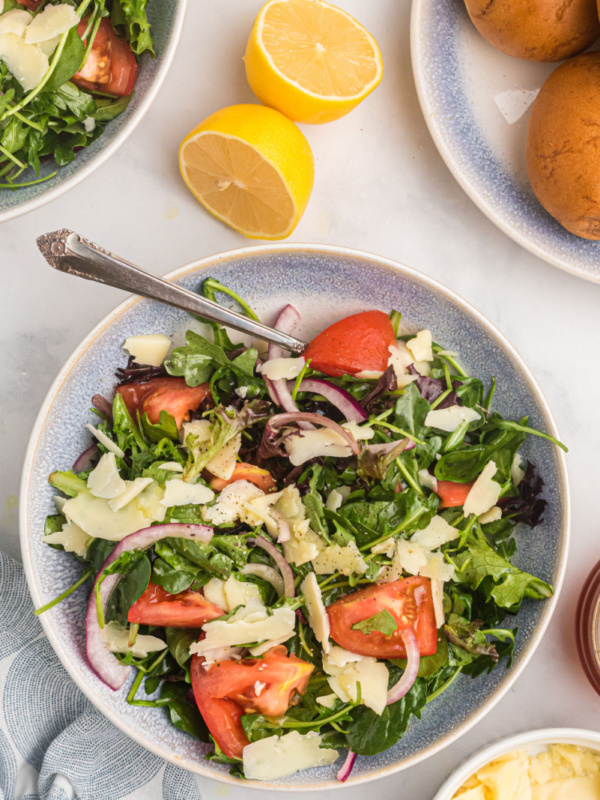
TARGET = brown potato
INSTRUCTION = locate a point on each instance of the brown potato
(537, 30)
(563, 145)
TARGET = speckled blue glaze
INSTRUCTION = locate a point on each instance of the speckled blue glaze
(441, 78)
(166, 18)
(325, 284)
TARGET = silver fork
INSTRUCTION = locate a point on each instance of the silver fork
(69, 252)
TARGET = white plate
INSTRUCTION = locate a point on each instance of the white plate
(533, 742)
(476, 102)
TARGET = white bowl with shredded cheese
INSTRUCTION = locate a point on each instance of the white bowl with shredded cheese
(544, 764)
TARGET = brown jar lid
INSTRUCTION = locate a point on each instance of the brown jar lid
(587, 627)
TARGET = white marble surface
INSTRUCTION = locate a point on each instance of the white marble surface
(381, 187)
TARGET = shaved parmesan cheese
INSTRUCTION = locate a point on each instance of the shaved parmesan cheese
(132, 490)
(96, 517)
(198, 429)
(448, 419)
(404, 380)
(49, 46)
(345, 560)
(278, 756)
(150, 349)
(359, 431)
(231, 503)
(336, 497)
(221, 654)
(421, 346)
(348, 669)
(1, 6)
(231, 593)
(437, 593)
(423, 368)
(437, 568)
(258, 687)
(400, 359)
(180, 493)
(170, 466)
(493, 515)
(427, 480)
(71, 537)
(386, 547)
(328, 700)
(15, 21)
(251, 623)
(59, 502)
(26, 61)
(258, 650)
(104, 480)
(517, 473)
(369, 374)
(484, 493)
(411, 555)
(305, 445)
(304, 544)
(317, 616)
(278, 369)
(51, 22)
(103, 439)
(223, 464)
(437, 533)
(116, 639)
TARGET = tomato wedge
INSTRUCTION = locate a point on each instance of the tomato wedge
(164, 394)
(183, 610)
(32, 5)
(354, 344)
(226, 690)
(110, 66)
(408, 611)
(453, 494)
(247, 472)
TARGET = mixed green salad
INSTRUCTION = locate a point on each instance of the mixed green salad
(66, 69)
(297, 555)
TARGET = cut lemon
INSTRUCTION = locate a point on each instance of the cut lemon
(311, 60)
(250, 167)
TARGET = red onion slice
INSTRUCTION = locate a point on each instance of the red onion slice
(104, 663)
(287, 574)
(346, 769)
(409, 675)
(387, 447)
(84, 460)
(103, 405)
(267, 573)
(279, 420)
(337, 396)
(281, 396)
(286, 322)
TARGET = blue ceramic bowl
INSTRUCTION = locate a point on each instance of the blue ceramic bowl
(325, 284)
(166, 18)
(476, 103)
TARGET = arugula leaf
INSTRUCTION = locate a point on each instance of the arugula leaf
(411, 410)
(479, 566)
(382, 622)
(371, 733)
(196, 360)
(166, 427)
(132, 16)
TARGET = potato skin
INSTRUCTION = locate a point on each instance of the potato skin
(537, 30)
(563, 145)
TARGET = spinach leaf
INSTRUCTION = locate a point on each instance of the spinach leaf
(184, 715)
(370, 733)
(166, 427)
(179, 642)
(97, 553)
(479, 566)
(53, 524)
(429, 665)
(68, 63)
(411, 410)
(382, 622)
(407, 512)
(135, 576)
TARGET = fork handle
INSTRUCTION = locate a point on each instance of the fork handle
(69, 252)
